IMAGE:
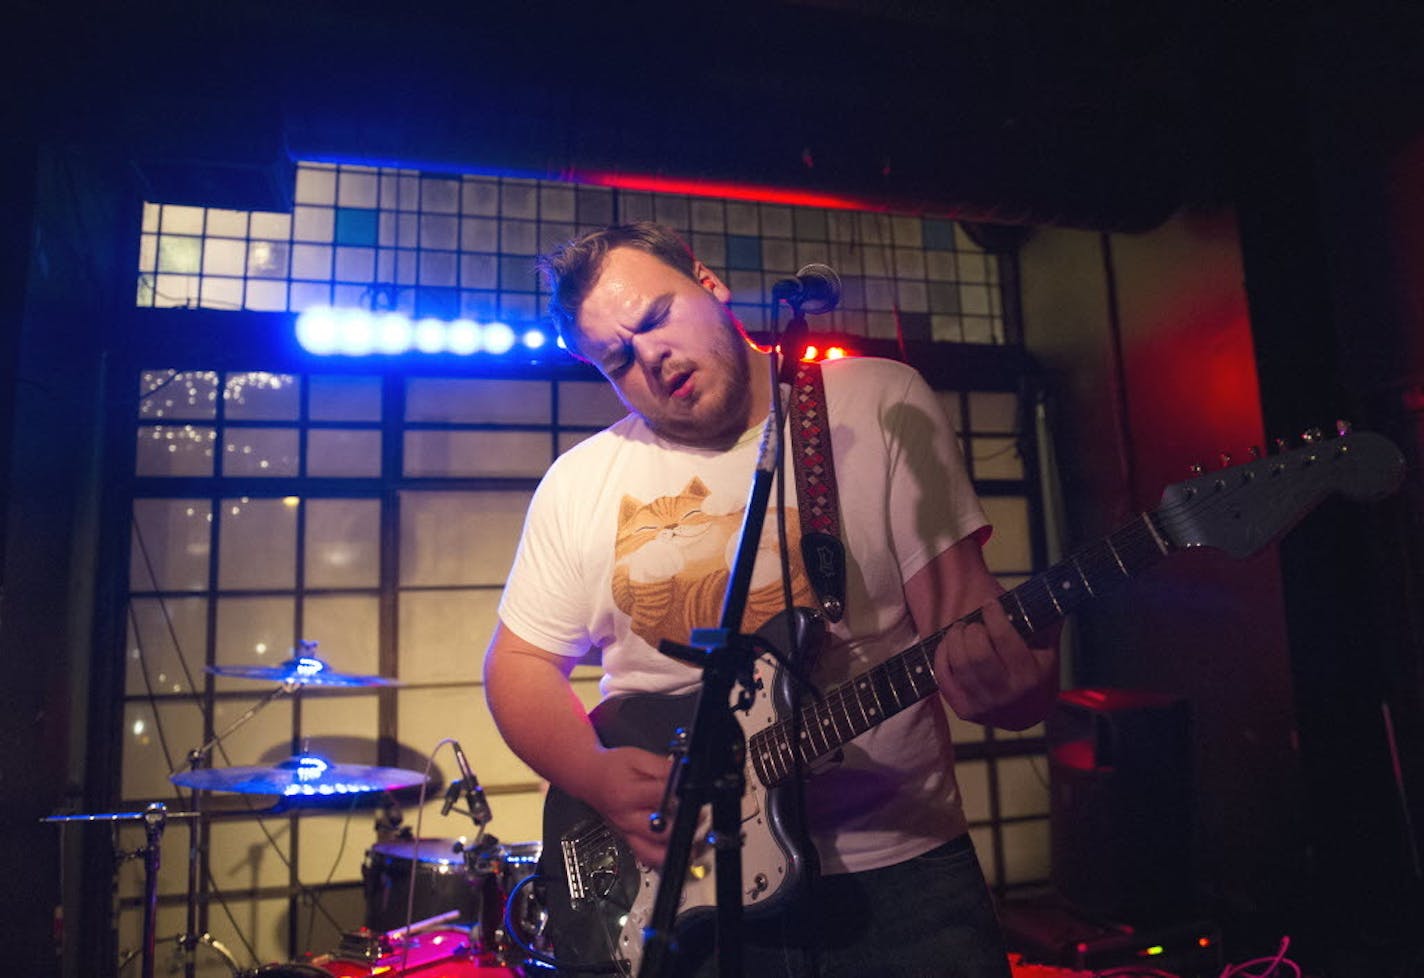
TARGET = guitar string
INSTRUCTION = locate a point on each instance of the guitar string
(1171, 516)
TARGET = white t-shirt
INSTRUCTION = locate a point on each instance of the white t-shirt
(629, 540)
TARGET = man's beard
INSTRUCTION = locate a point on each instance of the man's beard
(719, 416)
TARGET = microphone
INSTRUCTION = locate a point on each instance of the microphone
(815, 289)
(469, 787)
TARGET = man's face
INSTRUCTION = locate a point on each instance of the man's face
(669, 347)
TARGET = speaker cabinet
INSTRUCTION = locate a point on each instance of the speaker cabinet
(1121, 820)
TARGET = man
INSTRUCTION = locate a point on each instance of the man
(629, 539)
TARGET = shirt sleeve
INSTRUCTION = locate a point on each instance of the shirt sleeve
(544, 596)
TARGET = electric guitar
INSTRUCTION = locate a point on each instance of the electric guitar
(599, 899)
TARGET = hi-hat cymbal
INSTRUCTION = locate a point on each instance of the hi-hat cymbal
(304, 670)
(300, 774)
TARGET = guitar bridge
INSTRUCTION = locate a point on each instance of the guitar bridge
(590, 861)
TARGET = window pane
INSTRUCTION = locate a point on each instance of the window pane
(167, 646)
(591, 403)
(994, 410)
(252, 632)
(260, 452)
(343, 453)
(475, 401)
(426, 716)
(1023, 786)
(461, 538)
(1026, 851)
(996, 458)
(346, 629)
(471, 454)
(342, 397)
(443, 634)
(343, 543)
(1008, 550)
(257, 544)
(170, 545)
(261, 396)
(177, 394)
(174, 450)
(149, 729)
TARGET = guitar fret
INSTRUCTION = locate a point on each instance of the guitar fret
(899, 681)
(825, 728)
(918, 663)
(810, 730)
(1161, 544)
(850, 693)
(1027, 627)
(865, 689)
(845, 729)
(1081, 576)
(1117, 558)
(1049, 589)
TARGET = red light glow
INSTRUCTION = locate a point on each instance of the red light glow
(730, 191)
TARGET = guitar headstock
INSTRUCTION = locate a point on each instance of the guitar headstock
(1242, 508)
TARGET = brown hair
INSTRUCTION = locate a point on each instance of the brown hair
(572, 268)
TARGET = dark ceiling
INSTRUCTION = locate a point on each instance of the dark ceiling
(1107, 115)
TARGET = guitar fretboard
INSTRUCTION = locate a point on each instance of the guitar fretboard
(853, 707)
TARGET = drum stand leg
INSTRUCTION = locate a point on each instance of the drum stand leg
(154, 818)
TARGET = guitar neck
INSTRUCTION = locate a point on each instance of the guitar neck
(853, 707)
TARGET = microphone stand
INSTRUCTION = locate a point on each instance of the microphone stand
(712, 767)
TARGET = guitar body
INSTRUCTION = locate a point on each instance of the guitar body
(598, 899)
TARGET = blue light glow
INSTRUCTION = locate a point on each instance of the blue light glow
(356, 332)
(498, 337)
(463, 337)
(430, 335)
(393, 333)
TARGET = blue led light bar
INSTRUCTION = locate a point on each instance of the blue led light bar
(325, 331)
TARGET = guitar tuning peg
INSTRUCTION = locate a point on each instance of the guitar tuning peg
(1195, 468)
(1311, 435)
(1225, 460)
(1342, 427)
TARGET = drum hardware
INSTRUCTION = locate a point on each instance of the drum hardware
(154, 818)
(301, 775)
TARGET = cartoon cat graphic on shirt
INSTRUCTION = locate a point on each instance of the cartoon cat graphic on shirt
(673, 556)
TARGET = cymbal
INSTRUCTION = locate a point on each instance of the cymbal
(300, 774)
(303, 670)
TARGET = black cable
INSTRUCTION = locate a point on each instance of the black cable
(591, 968)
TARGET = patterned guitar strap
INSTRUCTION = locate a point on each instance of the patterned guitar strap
(821, 549)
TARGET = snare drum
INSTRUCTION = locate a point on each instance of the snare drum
(442, 882)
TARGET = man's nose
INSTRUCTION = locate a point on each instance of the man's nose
(650, 350)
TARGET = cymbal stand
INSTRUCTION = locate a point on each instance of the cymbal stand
(155, 819)
(191, 938)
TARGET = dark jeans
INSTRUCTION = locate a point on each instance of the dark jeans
(928, 917)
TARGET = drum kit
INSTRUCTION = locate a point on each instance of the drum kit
(434, 908)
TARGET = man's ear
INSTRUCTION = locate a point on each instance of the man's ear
(709, 281)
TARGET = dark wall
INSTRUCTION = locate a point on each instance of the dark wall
(1147, 345)
(52, 539)
(1304, 665)
(1320, 237)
